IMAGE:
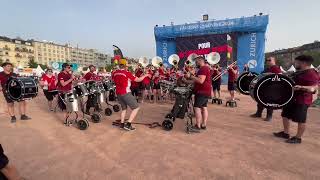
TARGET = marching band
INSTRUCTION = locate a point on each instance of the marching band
(148, 81)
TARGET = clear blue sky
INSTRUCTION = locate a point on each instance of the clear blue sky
(129, 24)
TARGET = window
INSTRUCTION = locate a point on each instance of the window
(44, 49)
(46, 58)
(7, 53)
(49, 59)
(45, 54)
(54, 51)
(49, 50)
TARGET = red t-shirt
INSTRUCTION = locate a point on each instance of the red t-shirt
(309, 77)
(65, 77)
(232, 77)
(205, 88)
(50, 80)
(4, 78)
(147, 80)
(273, 69)
(90, 76)
(122, 79)
(161, 72)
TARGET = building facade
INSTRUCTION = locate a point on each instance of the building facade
(17, 51)
(288, 55)
(48, 52)
(86, 57)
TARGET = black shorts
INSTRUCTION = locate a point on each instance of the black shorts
(156, 86)
(135, 91)
(216, 85)
(3, 159)
(200, 101)
(231, 86)
(295, 112)
(7, 98)
(146, 87)
(48, 95)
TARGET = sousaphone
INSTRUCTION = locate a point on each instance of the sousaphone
(213, 58)
(174, 59)
(157, 61)
(191, 60)
(144, 61)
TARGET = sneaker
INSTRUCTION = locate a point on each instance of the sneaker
(294, 140)
(282, 134)
(195, 127)
(13, 119)
(25, 117)
(121, 126)
(128, 127)
(255, 115)
(203, 127)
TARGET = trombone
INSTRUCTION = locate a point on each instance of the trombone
(226, 70)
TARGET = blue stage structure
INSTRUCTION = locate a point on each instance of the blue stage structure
(247, 32)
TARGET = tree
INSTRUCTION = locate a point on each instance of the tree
(32, 63)
(1, 61)
(43, 66)
(316, 57)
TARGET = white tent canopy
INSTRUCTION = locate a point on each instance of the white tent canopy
(282, 70)
(39, 71)
(312, 66)
(1, 69)
(292, 69)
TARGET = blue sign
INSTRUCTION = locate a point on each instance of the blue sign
(250, 32)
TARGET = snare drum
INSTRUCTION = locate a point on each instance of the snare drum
(91, 86)
(81, 90)
(71, 102)
(20, 88)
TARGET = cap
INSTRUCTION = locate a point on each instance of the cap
(64, 65)
(123, 61)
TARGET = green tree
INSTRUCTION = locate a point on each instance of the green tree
(43, 66)
(109, 67)
(32, 63)
(316, 57)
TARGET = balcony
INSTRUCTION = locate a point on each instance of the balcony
(6, 48)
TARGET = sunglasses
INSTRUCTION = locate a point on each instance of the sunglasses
(68, 67)
(268, 60)
(50, 71)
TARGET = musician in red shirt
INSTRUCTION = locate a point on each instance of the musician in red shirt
(92, 98)
(48, 83)
(272, 68)
(146, 84)
(136, 86)
(4, 77)
(122, 79)
(156, 85)
(216, 70)
(65, 79)
(202, 90)
(232, 77)
(307, 81)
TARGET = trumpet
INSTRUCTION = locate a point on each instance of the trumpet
(222, 73)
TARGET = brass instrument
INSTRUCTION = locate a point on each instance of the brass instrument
(191, 60)
(157, 62)
(174, 60)
(213, 58)
(222, 73)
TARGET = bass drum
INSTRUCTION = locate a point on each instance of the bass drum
(20, 88)
(244, 80)
(272, 90)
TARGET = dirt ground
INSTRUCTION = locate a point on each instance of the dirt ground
(233, 147)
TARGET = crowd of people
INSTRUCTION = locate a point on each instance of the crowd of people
(145, 82)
